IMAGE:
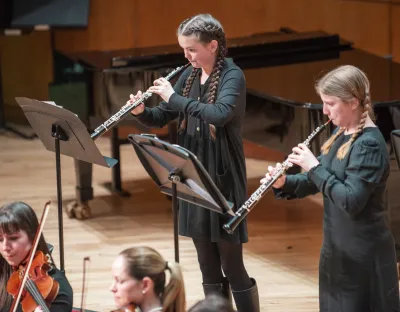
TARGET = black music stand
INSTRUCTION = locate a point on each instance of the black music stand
(62, 132)
(178, 173)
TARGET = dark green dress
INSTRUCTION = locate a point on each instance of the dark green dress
(357, 270)
(223, 158)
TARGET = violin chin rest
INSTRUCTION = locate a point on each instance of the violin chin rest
(51, 247)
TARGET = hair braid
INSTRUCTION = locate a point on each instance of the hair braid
(328, 144)
(215, 79)
(345, 147)
(348, 83)
(185, 93)
(205, 28)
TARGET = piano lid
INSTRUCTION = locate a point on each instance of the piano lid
(280, 68)
(263, 49)
(295, 82)
(283, 108)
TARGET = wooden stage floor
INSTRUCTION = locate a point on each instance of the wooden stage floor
(282, 254)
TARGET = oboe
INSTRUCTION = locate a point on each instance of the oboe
(127, 108)
(244, 210)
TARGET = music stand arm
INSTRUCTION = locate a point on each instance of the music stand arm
(174, 178)
(59, 135)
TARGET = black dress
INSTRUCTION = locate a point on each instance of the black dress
(223, 158)
(357, 270)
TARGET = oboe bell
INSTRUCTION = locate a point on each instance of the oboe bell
(244, 210)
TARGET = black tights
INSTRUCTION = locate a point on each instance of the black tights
(228, 256)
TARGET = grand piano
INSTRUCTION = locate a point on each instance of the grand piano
(95, 84)
(282, 106)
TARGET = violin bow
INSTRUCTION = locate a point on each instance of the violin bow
(83, 281)
(39, 231)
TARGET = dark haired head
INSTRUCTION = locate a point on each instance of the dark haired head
(205, 28)
(15, 217)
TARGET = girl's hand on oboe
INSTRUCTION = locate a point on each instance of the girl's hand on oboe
(138, 109)
(163, 88)
(303, 157)
(280, 182)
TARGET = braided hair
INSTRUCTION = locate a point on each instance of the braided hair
(347, 82)
(205, 28)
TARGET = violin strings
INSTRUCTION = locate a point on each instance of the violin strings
(35, 293)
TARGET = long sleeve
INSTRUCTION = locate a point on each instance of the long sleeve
(223, 110)
(296, 186)
(299, 185)
(63, 301)
(365, 170)
(161, 115)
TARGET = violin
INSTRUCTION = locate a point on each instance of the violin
(40, 289)
(30, 284)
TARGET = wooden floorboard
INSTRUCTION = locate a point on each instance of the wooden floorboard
(282, 254)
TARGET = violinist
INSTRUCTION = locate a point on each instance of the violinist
(140, 280)
(18, 226)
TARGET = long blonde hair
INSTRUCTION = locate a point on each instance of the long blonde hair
(347, 83)
(147, 262)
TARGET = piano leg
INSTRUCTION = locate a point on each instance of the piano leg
(116, 184)
(80, 208)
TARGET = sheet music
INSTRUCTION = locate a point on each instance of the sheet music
(52, 103)
(194, 186)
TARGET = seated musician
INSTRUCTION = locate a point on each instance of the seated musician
(18, 225)
(139, 280)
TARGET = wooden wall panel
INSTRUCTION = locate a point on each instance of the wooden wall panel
(364, 23)
(239, 18)
(123, 24)
(156, 22)
(26, 69)
(296, 81)
(111, 26)
(396, 33)
(367, 1)
(137, 23)
(360, 22)
(300, 15)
